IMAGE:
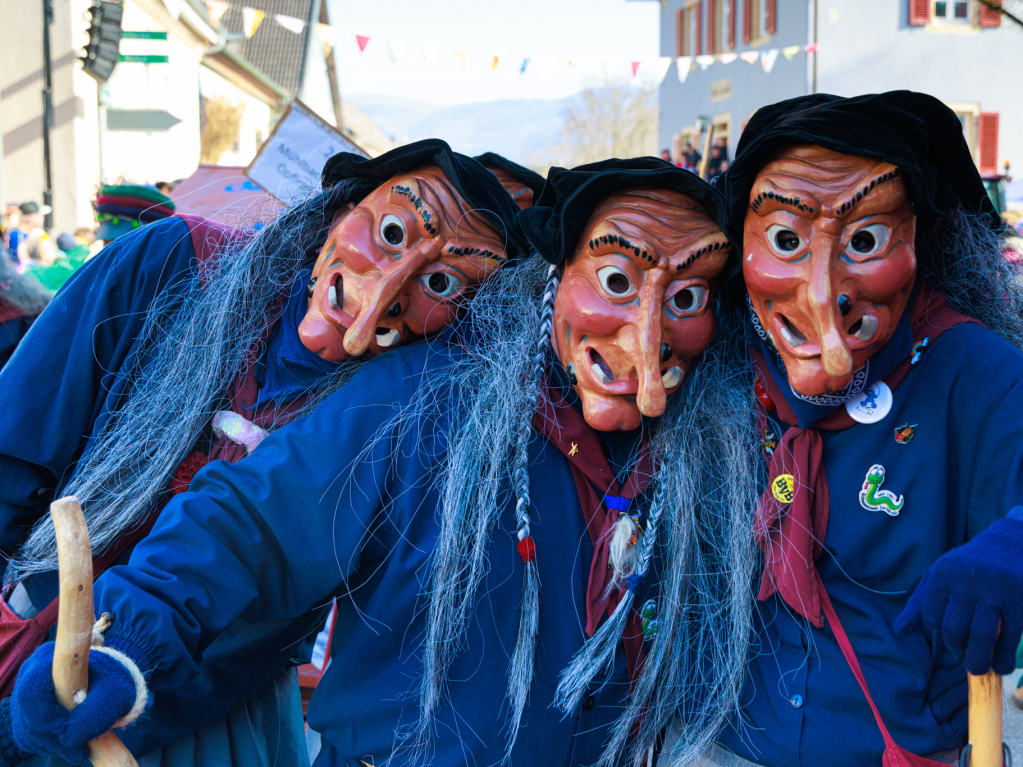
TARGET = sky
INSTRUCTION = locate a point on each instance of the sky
(602, 36)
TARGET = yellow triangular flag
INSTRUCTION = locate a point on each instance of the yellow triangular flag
(251, 19)
(791, 51)
(460, 55)
(217, 9)
(328, 36)
(494, 61)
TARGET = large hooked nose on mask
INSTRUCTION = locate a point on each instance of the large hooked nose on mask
(827, 305)
(638, 349)
(376, 293)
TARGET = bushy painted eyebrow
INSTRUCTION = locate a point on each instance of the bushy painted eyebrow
(456, 251)
(417, 202)
(708, 248)
(849, 204)
(792, 202)
(617, 239)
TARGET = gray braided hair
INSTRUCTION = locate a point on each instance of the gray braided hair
(706, 449)
(520, 673)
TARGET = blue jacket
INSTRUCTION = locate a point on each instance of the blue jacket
(962, 470)
(342, 500)
(57, 392)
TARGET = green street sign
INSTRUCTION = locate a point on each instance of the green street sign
(146, 120)
(149, 59)
(126, 35)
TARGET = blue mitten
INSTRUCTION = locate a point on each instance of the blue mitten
(41, 725)
(974, 596)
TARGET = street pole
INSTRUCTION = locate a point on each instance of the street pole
(47, 111)
(816, 31)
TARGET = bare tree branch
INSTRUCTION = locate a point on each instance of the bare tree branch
(997, 8)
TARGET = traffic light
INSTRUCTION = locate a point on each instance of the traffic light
(103, 51)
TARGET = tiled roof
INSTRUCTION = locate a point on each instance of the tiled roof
(273, 50)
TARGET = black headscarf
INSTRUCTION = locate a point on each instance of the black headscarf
(477, 186)
(913, 131)
(523, 175)
(555, 223)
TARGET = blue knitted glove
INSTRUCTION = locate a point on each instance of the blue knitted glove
(41, 725)
(970, 591)
(947, 693)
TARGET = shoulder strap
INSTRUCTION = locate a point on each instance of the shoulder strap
(850, 658)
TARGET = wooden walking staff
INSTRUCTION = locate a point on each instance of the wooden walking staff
(74, 625)
(986, 748)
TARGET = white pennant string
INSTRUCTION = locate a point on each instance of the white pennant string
(290, 23)
(682, 66)
(661, 67)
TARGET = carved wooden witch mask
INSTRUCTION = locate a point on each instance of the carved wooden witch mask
(635, 303)
(519, 192)
(395, 267)
(829, 261)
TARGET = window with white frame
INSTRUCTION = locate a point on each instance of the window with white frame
(722, 25)
(952, 12)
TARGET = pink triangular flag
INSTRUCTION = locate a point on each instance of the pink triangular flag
(362, 40)
(750, 56)
(812, 48)
(635, 68)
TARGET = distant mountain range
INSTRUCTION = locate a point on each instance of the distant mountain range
(524, 131)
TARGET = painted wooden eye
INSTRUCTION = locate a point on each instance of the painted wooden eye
(392, 231)
(869, 240)
(615, 282)
(690, 299)
(442, 284)
(783, 240)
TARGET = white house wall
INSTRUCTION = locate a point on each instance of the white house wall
(255, 125)
(150, 156)
(866, 46)
(74, 172)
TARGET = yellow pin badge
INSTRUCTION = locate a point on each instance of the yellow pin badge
(783, 488)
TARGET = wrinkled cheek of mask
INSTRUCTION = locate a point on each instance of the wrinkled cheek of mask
(584, 319)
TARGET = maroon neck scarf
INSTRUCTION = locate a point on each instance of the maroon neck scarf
(792, 534)
(567, 430)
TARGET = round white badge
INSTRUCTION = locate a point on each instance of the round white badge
(871, 405)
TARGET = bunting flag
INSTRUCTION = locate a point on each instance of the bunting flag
(461, 56)
(362, 41)
(396, 48)
(522, 69)
(173, 8)
(750, 57)
(682, 65)
(251, 19)
(704, 61)
(430, 51)
(791, 51)
(768, 58)
(328, 36)
(217, 9)
(661, 67)
(728, 58)
(494, 61)
(811, 48)
(635, 67)
(290, 23)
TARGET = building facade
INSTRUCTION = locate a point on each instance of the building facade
(146, 123)
(960, 51)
